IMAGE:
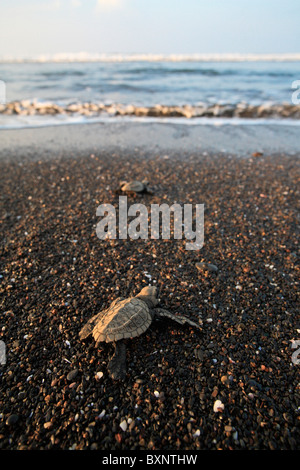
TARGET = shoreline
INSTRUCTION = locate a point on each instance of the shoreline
(239, 110)
(148, 137)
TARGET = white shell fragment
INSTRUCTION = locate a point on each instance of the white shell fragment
(123, 425)
(218, 406)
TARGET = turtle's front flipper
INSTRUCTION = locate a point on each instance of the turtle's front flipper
(117, 364)
(89, 326)
(161, 312)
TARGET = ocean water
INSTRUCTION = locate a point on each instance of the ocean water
(89, 90)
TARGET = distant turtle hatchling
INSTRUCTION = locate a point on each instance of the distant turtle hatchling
(134, 187)
(126, 318)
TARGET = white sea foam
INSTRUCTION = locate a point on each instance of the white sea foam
(88, 57)
(17, 122)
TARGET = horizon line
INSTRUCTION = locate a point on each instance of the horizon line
(153, 57)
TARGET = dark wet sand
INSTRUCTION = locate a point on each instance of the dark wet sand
(56, 273)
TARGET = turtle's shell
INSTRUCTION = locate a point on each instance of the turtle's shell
(136, 186)
(125, 318)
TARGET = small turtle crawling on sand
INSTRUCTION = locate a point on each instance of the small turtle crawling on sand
(127, 318)
(134, 187)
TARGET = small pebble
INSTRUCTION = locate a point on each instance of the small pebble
(228, 428)
(48, 425)
(139, 381)
(257, 154)
(12, 419)
(131, 425)
(207, 267)
(72, 375)
(225, 380)
(123, 425)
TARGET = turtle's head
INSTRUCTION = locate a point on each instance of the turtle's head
(122, 183)
(149, 293)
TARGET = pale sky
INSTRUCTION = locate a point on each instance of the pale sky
(34, 27)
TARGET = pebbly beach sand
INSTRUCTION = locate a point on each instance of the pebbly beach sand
(232, 386)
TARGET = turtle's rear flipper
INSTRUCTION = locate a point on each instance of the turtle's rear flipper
(161, 312)
(89, 326)
(117, 364)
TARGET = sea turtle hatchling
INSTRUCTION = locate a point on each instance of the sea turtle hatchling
(134, 187)
(126, 318)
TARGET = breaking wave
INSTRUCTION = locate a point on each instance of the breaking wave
(240, 110)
